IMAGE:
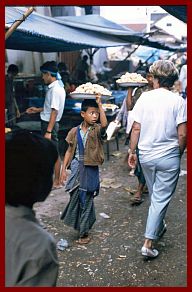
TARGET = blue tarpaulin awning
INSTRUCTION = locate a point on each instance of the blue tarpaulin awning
(47, 34)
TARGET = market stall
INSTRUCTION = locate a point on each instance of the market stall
(39, 33)
(47, 34)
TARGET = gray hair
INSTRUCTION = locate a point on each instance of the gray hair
(163, 68)
(165, 71)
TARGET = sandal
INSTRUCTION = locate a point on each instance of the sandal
(136, 201)
(83, 240)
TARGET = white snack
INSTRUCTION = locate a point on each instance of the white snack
(109, 106)
(132, 78)
(91, 88)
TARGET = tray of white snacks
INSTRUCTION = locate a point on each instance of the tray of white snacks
(89, 91)
(109, 107)
(131, 80)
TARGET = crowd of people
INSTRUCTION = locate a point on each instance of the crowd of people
(154, 152)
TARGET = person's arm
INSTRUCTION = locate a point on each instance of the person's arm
(17, 108)
(121, 112)
(34, 110)
(129, 98)
(182, 77)
(135, 132)
(51, 124)
(182, 136)
(103, 119)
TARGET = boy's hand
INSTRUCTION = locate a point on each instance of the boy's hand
(63, 176)
(103, 119)
(98, 98)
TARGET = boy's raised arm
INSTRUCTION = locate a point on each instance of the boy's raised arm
(103, 119)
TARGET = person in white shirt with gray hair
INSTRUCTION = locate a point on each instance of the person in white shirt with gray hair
(160, 131)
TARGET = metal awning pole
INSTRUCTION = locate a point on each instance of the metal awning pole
(130, 53)
(145, 62)
(18, 22)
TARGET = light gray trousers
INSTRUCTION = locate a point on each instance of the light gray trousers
(161, 178)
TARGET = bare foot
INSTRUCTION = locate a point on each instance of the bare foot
(56, 187)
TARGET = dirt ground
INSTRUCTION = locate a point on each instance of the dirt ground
(113, 258)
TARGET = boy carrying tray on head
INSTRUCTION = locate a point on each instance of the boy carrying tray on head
(84, 155)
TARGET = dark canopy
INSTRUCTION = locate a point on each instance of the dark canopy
(178, 11)
(46, 34)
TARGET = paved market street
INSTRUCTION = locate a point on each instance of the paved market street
(113, 256)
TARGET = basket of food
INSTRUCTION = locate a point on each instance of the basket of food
(109, 107)
(89, 91)
(131, 80)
